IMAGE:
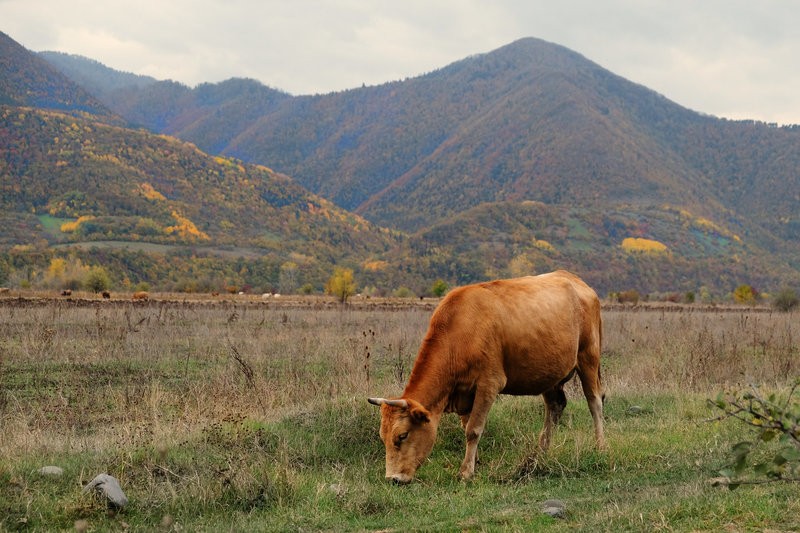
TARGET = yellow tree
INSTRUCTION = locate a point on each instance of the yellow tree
(341, 284)
(744, 294)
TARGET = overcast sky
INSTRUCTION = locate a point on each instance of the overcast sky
(730, 58)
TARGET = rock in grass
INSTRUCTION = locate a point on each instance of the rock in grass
(109, 486)
(51, 470)
(554, 508)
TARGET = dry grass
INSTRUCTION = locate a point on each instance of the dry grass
(96, 374)
(99, 374)
(699, 350)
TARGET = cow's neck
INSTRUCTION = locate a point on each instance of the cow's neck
(431, 381)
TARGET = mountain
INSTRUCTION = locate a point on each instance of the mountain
(210, 115)
(529, 121)
(87, 72)
(28, 80)
(524, 159)
(152, 207)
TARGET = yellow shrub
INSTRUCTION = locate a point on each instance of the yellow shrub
(636, 244)
(375, 265)
(69, 227)
(185, 228)
(150, 193)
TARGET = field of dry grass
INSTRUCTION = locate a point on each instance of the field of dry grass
(193, 404)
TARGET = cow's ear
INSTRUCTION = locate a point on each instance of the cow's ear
(418, 413)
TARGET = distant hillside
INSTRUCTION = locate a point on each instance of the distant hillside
(529, 121)
(74, 167)
(210, 115)
(28, 80)
(103, 183)
(515, 238)
(93, 75)
(521, 160)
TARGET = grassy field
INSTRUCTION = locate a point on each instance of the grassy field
(251, 416)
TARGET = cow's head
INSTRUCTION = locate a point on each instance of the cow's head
(408, 432)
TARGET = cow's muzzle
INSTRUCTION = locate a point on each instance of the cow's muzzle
(399, 479)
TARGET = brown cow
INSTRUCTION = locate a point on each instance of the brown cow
(140, 295)
(523, 336)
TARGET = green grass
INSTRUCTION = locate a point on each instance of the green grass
(52, 225)
(196, 446)
(322, 470)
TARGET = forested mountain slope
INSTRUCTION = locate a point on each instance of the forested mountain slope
(529, 121)
(517, 161)
(28, 80)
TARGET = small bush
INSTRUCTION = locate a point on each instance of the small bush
(307, 289)
(142, 286)
(403, 292)
(438, 288)
(97, 279)
(786, 300)
(775, 421)
(745, 294)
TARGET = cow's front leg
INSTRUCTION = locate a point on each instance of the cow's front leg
(484, 398)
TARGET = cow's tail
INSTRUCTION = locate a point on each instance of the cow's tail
(600, 361)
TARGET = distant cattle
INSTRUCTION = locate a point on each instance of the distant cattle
(66, 292)
(106, 295)
(523, 336)
(140, 295)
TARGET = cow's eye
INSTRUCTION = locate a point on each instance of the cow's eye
(400, 438)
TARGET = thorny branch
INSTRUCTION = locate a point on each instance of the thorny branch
(774, 420)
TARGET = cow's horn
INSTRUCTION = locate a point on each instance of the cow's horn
(393, 403)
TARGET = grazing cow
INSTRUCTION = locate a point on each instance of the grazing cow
(66, 292)
(140, 295)
(523, 336)
(106, 295)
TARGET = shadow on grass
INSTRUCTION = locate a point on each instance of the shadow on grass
(536, 465)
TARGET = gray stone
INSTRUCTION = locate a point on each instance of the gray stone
(51, 470)
(554, 508)
(109, 486)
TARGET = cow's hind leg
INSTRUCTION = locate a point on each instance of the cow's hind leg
(554, 403)
(589, 373)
